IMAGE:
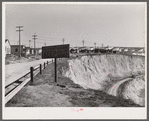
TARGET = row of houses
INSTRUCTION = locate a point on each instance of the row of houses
(90, 49)
(107, 49)
(25, 51)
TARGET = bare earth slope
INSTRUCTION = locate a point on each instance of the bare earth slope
(44, 93)
(102, 71)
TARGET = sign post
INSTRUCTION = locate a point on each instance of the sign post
(57, 51)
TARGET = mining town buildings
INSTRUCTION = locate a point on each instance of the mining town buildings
(25, 51)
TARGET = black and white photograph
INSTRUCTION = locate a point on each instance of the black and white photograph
(74, 60)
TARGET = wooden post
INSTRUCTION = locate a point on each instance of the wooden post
(40, 69)
(44, 65)
(31, 71)
(56, 70)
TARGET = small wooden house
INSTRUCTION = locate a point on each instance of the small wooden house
(17, 50)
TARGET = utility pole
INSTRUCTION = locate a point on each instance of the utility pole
(83, 43)
(34, 43)
(63, 39)
(29, 43)
(95, 45)
(19, 27)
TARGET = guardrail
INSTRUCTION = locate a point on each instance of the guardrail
(17, 85)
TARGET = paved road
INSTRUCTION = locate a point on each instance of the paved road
(14, 71)
(113, 90)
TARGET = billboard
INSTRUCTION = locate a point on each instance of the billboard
(57, 51)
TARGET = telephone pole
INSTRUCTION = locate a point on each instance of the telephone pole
(83, 43)
(19, 27)
(34, 43)
(29, 43)
(63, 39)
(95, 45)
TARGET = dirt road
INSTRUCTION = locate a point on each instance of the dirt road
(14, 71)
(114, 89)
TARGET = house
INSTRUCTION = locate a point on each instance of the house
(121, 50)
(38, 51)
(82, 49)
(31, 51)
(108, 49)
(7, 48)
(28, 50)
(74, 50)
(102, 50)
(115, 50)
(15, 50)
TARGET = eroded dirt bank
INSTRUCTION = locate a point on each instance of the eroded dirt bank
(103, 72)
(44, 92)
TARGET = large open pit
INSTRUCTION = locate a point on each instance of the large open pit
(103, 72)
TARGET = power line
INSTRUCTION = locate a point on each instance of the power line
(19, 38)
(10, 20)
(27, 32)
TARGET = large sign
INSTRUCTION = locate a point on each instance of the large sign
(58, 51)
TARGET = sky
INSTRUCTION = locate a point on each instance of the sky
(108, 24)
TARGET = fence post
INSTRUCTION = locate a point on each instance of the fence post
(56, 70)
(44, 65)
(40, 69)
(31, 71)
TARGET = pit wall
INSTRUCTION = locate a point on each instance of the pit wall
(93, 72)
